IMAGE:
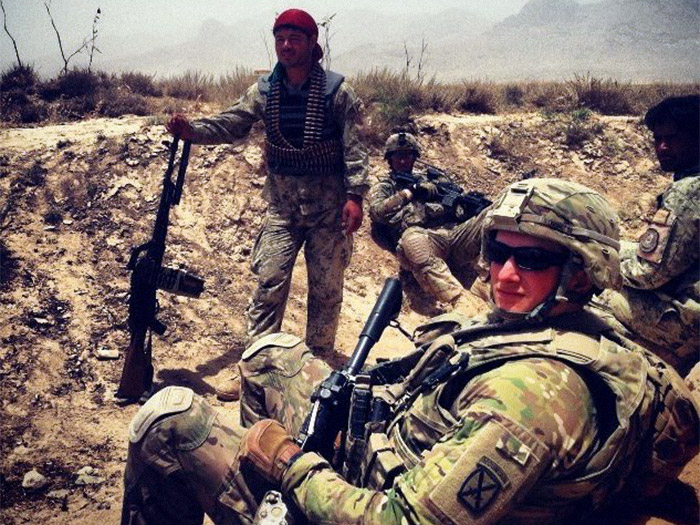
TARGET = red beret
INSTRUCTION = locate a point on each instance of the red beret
(300, 19)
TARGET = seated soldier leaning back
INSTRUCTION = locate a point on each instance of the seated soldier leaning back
(538, 413)
(426, 235)
(659, 303)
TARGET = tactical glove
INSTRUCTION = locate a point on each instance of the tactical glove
(269, 448)
(425, 190)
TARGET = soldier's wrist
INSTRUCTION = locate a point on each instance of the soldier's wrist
(407, 194)
(300, 468)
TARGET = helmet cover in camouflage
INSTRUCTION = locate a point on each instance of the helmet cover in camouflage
(401, 141)
(567, 213)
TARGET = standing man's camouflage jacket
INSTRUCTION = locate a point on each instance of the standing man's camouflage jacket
(544, 423)
(661, 299)
(293, 194)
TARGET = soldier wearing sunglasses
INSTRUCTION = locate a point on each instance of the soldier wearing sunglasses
(539, 413)
(659, 306)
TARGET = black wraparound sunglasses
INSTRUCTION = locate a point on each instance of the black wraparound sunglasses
(526, 257)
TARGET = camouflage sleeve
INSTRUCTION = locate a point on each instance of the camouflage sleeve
(385, 203)
(669, 247)
(347, 109)
(519, 423)
(233, 123)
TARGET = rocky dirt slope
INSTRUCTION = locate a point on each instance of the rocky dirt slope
(75, 198)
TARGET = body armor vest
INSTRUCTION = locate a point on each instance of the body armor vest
(302, 137)
(648, 423)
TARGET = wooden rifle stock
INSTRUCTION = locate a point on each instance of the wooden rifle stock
(147, 275)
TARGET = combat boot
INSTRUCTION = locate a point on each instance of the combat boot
(229, 389)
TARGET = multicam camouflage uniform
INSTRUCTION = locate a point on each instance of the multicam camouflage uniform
(515, 436)
(427, 239)
(527, 421)
(660, 303)
(304, 209)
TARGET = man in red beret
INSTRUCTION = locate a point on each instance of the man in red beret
(317, 177)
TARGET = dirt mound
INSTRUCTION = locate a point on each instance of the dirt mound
(75, 198)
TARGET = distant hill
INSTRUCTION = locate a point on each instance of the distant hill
(635, 40)
(625, 39)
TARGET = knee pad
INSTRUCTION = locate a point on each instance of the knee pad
(170, 400)
(414, 250)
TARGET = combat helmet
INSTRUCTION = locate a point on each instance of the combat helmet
(401, 141)
(569, 214)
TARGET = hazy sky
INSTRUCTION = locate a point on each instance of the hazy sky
(133, 24)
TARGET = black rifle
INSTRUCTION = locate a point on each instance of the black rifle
(331, 400)
(460, 205)
(147, 276)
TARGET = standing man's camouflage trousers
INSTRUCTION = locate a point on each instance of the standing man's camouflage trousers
(427, 252)
(327, 251)
(185, 460)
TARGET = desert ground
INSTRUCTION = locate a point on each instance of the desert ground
(75, 198)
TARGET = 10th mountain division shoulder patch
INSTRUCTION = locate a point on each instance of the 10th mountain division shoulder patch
(482, 486)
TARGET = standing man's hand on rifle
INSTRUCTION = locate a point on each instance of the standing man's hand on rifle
(352, 214)
(180, 126)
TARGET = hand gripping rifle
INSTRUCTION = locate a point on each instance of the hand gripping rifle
(459, 205)
(147, 276)
(331, 400)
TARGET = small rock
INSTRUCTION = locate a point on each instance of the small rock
(88, 476)
(49, 228)
(58, 494)
(33, 480)
(21, 450)
(42, 321)
(130, 161)
(107, 353)
(67, 222)
(621, 166)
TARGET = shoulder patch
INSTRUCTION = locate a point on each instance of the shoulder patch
(277, 339)
(653, 242)
(170, 400)
(481, 487)
(501, 463)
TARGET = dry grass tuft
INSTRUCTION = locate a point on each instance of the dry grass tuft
(392, 99)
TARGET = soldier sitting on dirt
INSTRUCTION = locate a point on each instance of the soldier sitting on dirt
(538, 413)
(659, 304)
(425, 235)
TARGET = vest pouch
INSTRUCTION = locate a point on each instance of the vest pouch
(381, 464)
(676, 429)
(438, 353)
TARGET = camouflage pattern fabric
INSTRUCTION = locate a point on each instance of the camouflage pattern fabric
(303, 210)
(517, 436)
(567, 213)
(428, 245)
(327, 251)
(660, 302)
